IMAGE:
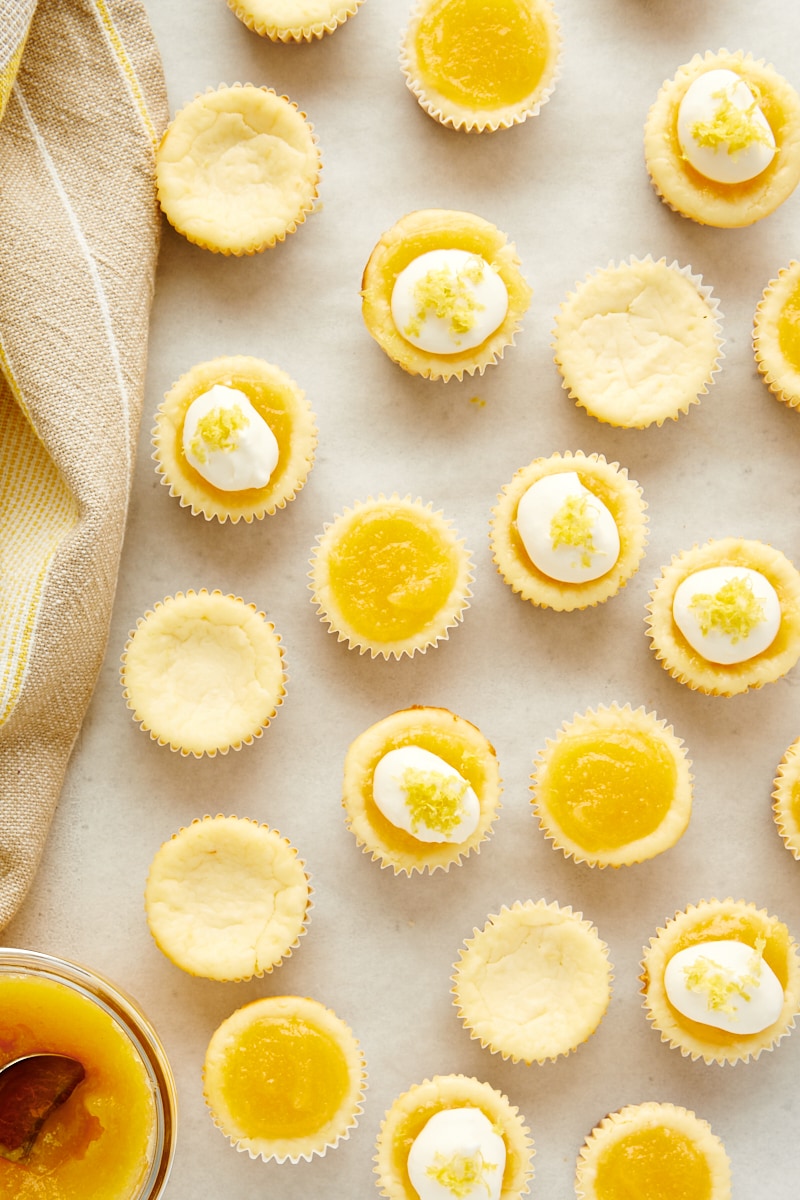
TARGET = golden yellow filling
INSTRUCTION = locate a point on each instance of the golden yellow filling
(483, 53)
(605, 791)
(97, 1144)
(789, 329)
(659, 1163)
(283, 1077)
(391, 575)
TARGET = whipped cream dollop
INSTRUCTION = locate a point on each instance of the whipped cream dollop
(726, 984)
(228, 442)
(446, 301)
(721, 129)
(458, 1155)
(727, 614)
(567, 531)
(424, 795)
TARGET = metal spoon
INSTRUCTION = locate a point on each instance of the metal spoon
(31, 1088)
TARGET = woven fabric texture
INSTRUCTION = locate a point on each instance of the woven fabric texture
(79, 230)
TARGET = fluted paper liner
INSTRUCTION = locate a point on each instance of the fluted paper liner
(476, 117)
(717, 920)
(281, 403)
(227, 898)
(185, 690)
(684, 663)
(621, 495)
(660, 745)
(534, 983)
(333, 1128)
(440, 229)
(786, 799)
(294, 20)
(412, 1110)
(621, 1127)
(455, 740)
(673, 348)
(419, 633)
(781, 375)
(685, 190)
(266, 194)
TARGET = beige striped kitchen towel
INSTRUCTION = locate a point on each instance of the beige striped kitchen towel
(84, 101)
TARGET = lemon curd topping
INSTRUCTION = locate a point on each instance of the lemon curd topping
(391, 574)
(573, 525)
(789, 329)
(659, 1163)
(434, 799)
(218, 429)
(99, 1143)
(282, 1077)
(606, 790)
(483, 53)
(733, 610)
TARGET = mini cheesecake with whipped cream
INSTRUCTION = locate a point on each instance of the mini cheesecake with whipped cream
(721, 981)
(234, 439)
(421, 789)
(722, 140)
(568, 531)
(725, 617)
(453, 1137)
(443, 294)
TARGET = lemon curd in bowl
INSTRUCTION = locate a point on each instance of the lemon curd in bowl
(115, 1134)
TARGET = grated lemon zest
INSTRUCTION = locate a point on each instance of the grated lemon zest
(450, 295)
(218, 430)
(733, 610)
(433, 798)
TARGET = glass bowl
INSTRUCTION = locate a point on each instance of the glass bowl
(68, 1008)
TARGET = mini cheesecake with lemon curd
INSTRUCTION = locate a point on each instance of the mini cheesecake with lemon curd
(776, 335)
(390, 576)
(421, 789)
(657, 1151)
(442, 293)
(721, 981)
(568, 531)
(234, 439)
(452, 1136)
(613, 788)
(725, 617)
(482, 65)
(722, 140)
(284, 1078)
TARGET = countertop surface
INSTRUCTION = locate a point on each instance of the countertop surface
(570, 189)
